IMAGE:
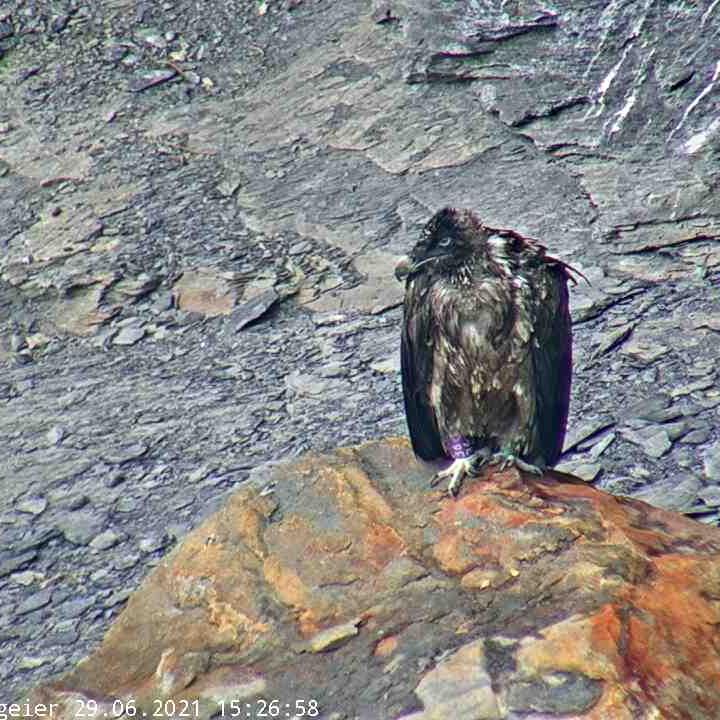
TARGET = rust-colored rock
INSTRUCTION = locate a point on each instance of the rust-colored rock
(347, 581)
(207, 292)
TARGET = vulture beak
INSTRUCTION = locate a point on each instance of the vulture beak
(403, 268)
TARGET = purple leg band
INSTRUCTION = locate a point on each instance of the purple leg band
(460, 447)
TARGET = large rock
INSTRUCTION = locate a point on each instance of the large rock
(345, 582)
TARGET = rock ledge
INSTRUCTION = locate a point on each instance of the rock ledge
(345, 580)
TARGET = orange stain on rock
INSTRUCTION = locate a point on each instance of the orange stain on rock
(606, 636)
(579, 644)
(231, 622)
(386, 646)
(356, 494)
(328, 544)
(457, 512)
(677, 632)
(646, 653)
(612, 705)
(286, 583)
(382, 545)
(454, 554)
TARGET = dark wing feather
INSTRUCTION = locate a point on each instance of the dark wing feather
(552, 364)
(416, 361)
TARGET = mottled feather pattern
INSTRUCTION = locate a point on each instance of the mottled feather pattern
(486, 343)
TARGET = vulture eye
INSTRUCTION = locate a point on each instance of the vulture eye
(444, 241)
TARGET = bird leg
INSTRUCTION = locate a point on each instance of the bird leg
(459, 468)
(505, 458)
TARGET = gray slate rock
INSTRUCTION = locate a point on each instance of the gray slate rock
(32, 505)
(697, 437)
(55, 435)
(602, 445)
(76, 607)
(254, 309)
(105, 540)
(123, 454)
(150, 79)
(676, 493)
(80, 527)
(586, 430)
(710, 495)
(153, 543)
(654, 441)
(711, 462)
(559, 693)
(10, 563)
(584, 470)
(36, 601)
(129, 335)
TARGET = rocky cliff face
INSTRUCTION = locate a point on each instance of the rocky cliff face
(200, 207)
(346, 581)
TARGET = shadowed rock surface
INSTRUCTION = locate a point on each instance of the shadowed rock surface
(346, 580)
(201, 202)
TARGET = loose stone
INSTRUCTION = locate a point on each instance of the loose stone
(36, 601)
(105, 540)
(32, 505)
